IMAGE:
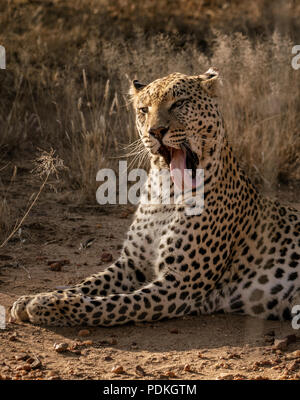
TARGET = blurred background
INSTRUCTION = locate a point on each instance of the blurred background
(69, 64)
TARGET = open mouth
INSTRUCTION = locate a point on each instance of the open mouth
(180, 160)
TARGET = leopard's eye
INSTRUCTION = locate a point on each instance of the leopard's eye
(178, 103)
(144, 110)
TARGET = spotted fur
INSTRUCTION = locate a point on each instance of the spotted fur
(241, 254)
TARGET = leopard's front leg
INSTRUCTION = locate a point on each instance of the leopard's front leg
(125, 275)
(155, 301)
(128, 273)
(132, 270)
(121, 277)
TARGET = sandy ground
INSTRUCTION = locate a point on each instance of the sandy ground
(206, 347)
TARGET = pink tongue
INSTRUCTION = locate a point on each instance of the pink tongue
(179, 176)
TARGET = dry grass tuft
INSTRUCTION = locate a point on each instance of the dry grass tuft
(46, 164)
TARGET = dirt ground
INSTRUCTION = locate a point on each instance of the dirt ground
(205, 347)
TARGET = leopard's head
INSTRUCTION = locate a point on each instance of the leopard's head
(178, 120)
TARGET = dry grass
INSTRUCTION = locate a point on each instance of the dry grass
(45, 165)
(6, 212)
(6, 220)
(69, 65)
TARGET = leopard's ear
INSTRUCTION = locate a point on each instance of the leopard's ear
(210, 81)
(136, 86)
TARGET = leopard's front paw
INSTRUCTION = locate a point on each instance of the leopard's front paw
(18, 311)
(40, 309)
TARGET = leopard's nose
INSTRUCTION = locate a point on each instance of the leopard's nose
(158, 132)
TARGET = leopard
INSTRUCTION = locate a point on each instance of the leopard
(240, 253)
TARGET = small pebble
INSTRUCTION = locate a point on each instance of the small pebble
(60, 347)
(36, 364)
(13, 337)
(139, 370)
(280, 344)
(225, 376)
(124, 214)
(84, 332)
(22, 357)
(56, 267)
(294, 354)
(25, 367)
(87, 342)
(106, 257)
(171, 374)
(118, 369)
